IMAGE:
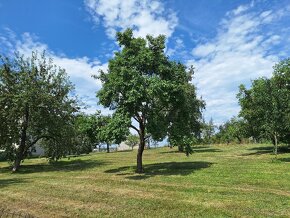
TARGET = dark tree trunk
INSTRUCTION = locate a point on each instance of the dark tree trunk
(108, 147)
(180, 148)
(22, 144)
(239, 139)
(141, 149)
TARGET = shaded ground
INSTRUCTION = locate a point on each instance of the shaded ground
(162, 169)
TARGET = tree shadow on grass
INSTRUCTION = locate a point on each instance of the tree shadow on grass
(7, 182)
(266, 150)
(286, 159)
(66, 166)
(195, 150)
(162, 169)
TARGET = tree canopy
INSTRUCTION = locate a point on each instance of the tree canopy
(142, 84)
(35, 104)
(266, 105)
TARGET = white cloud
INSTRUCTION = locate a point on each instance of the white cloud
(145, 17)
(238, 54)
(177, 47)
(80, 70)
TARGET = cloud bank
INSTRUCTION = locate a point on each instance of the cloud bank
(144, 17)
(239, 53)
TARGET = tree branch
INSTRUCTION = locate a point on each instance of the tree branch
(139, 119)
(38, 138)
(135, 128)
(136, 119)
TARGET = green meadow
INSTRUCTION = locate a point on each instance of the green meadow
(215, 181)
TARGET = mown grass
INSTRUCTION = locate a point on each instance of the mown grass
(216, 181)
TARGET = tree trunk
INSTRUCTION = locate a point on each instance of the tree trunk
(275, 144)
(239, 139)
(141, 149)
(21, 149)
(108, 147)
(180, 148)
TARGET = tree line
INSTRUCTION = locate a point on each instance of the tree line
(147, 92)
(264, 114)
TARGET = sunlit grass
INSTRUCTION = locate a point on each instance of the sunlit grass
(216, 181)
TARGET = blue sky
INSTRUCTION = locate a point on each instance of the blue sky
(228, 42)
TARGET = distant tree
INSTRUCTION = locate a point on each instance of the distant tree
(231, 131)
(265, 106)
(132, 140)
(143, 84)
(113, 129)
(35, 104)
(208, 131)
(86, 130)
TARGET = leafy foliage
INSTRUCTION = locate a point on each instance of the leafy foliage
(143, 84)
(234, 130)
(132, 140)
(35, 104)
(266, 105)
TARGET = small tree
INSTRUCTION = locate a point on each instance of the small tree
(208, 131)
(132, 140)
(143, 84)
(113, 129)
(233, 130)
(35, 104)
(86, 129)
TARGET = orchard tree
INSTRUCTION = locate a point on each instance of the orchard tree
(142, 84)
(35, 104)
(281, 83)
(112, 129)
(208, 131)
(132, 140)
(86, 129)
(265, 105)
(233, 130)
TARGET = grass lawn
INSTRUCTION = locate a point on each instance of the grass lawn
(216, 181)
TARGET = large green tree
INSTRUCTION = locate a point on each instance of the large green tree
(266, 105)
(144, 86)
(35, 105)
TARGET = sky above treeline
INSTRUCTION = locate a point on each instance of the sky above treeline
(228, 42)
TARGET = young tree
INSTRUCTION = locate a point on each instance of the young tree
(112, 129)
(86, 129)
(132, 140)
(34, 104)
(233, 130)
(208, 131)
(143, 84)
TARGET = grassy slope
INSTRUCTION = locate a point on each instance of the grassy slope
(219, 181)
